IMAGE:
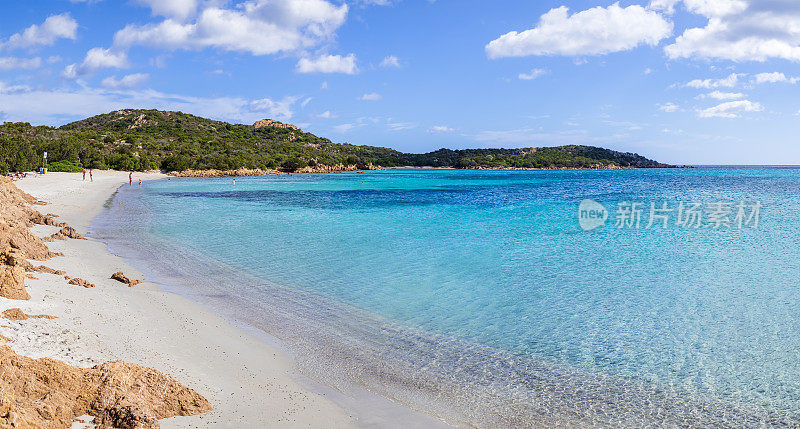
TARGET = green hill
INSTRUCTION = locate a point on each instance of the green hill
(153, 139)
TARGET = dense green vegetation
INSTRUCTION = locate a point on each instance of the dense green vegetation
(66, 166)
(152, 139)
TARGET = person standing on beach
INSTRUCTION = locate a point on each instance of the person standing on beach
(84, 174)
(91, 179)
(130, 178)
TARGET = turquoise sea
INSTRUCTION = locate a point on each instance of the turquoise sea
(476, 295)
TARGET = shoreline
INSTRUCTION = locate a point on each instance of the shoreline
(246, 380)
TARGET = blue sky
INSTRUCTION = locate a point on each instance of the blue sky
(681, 81)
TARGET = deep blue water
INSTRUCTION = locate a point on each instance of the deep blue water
(476, 295)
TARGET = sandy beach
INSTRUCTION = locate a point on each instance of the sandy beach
(248, 382)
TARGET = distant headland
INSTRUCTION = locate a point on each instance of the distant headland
(184, 144)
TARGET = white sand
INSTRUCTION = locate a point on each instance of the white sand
(248, 382)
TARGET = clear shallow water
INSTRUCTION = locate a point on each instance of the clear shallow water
(475, 295)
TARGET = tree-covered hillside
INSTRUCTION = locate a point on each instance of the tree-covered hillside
(152, 139)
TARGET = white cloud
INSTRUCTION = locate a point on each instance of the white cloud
(741, 31)
(668, 107)
(595, 31)
(96, 59)
(178, 9)
(719, 95)
(371, 96)
(326, 115)
(53, 28)
(328, 64)
(129, 81)
(343, 128)
(533, 74)
(436, 129)
(775, 77)
(667, 6)
(730, 109)
(55, 107)
(400, 126)
(13, 89)
(728, 82)
(259, 27)
(14, 63)
(390, 61)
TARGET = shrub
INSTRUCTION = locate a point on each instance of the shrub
(65, 166)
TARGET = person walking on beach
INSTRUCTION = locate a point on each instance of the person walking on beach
(130, 178)
(84, 174)
(91, 179)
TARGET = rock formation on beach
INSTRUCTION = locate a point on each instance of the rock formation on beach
(244, 172)
(80, 282)
(64, 233)
(122, 278)
(18, 314)
(46, 393)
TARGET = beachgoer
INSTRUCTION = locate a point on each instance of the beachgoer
(140, 182)
(130, 178)
(234, 181)
(91, 179)
(84, 174)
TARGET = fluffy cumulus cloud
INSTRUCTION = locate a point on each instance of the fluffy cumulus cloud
(14, 63)
(328, 64)
(719, 95)
(259, 27)
(177, 9)
(96, 59)
(730, 109)
(775, 77)
(727, 82)
(55, 107)
(741, 30)
(126, 82)
(53, 28)
(594, 31)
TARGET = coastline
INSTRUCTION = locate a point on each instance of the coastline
(247, 380)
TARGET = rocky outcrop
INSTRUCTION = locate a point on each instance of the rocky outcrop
(242, 172)
(12, 274)
(48, 270)
(49, 393)
(18, 314)
(338, 168)
(272, 123)
(65, 233)
(80, 282)
(122, 278)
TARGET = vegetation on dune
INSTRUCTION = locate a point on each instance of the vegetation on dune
(175, 141)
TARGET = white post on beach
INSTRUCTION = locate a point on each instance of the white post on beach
(44, 163)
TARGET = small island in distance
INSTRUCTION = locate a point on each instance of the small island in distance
(184, 144)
